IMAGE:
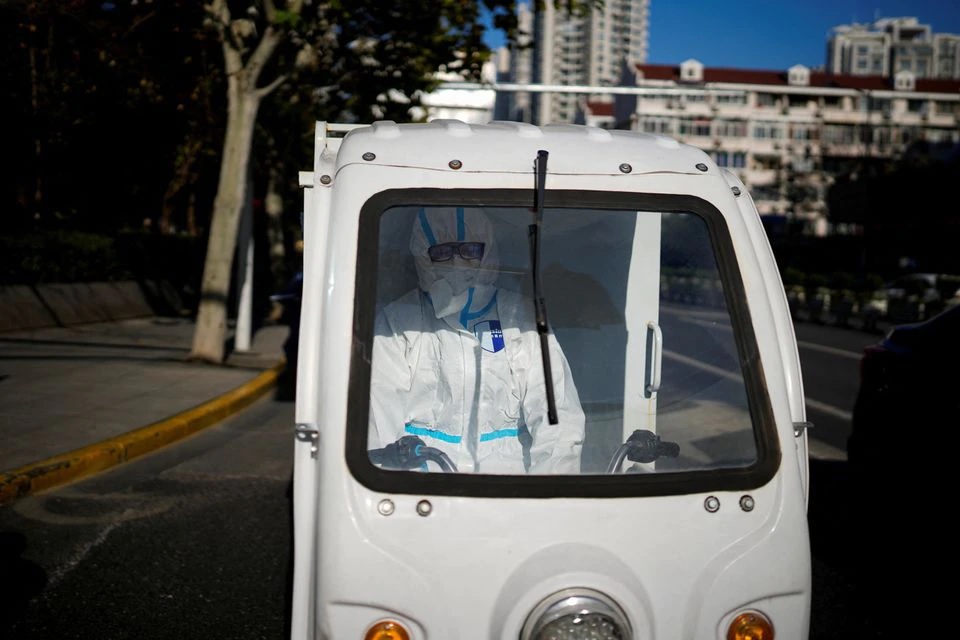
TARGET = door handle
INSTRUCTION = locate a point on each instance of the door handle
(654, 355)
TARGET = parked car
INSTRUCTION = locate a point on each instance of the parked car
(915, 297)
(910, 375)
(904, 421)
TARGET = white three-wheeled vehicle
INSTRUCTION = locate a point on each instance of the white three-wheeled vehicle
(547, 387)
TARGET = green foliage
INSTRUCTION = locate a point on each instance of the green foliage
(45, 257)
(59, 256)
(792, 276)
(288, 19)
(103, 94)
(120, 107)
(842, 280)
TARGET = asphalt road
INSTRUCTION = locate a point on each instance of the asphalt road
(194, 541)
(830, 365)
(190, 542)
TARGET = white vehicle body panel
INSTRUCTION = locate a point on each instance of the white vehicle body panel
(476, 566)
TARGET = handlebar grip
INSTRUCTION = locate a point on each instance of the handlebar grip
(409, 452)
(668, 449)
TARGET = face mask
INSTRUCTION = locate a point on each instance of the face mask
(459, 277)
(446, 303)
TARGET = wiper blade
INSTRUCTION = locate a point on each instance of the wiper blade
(540, 307)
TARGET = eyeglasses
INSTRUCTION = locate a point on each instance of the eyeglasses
(446, 251)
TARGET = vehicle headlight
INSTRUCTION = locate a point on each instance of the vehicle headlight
(577, 614)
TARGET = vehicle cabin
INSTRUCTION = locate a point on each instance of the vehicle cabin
(547, 386)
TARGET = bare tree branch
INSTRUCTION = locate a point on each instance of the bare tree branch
(265, 48)
(264, 91)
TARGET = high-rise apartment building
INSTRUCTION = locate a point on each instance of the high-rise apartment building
(515, 65)
(585, 50)
(892, 45)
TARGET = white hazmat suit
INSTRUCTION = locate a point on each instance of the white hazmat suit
(457, 362)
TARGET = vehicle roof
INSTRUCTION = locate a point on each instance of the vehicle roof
(511, 147)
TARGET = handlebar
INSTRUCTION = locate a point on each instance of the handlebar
(643, 446)
(408, 453)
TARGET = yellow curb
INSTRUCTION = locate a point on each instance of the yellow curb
(86, 461)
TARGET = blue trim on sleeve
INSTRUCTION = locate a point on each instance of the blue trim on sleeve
(499, 433)
(427, 231)
(431, 433)
(461, 232)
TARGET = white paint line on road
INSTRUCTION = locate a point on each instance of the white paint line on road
(823, 407)
(78, 555)
(673, 355)
(823, 451)
(829, 409)
(813, 346)
(818, 449)
(831, 350)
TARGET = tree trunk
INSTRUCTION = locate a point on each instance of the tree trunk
(243, 99)
(209, 336)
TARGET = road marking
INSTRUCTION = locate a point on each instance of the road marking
(831, 350)
(829, 409)
(844, 353)
(823, 451)
(730, 375)
(822, 407)
(81, 552)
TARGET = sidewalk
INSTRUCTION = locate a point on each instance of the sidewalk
(76, 400)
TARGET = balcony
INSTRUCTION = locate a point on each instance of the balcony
(761, 177)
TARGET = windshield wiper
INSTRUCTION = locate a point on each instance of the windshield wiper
(540, 308)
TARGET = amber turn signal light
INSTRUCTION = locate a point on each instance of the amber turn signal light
(389, 630)
(750, 625)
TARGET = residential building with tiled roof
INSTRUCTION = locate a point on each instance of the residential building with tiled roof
(789, 134)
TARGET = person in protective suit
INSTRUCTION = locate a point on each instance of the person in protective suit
(458, 362)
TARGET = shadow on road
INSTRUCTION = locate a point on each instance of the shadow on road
(20, 579)
(876, 541)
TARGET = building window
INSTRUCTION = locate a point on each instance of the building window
(936, 135)
(657, 126)
(882, 136)
(766, 100)
(944, 108)
(739, 160)
(878, 105)
(832, 102)
(730, 128)
(768, 130)
(731, 98)
(722, 158)
(839, 134)
(803, 132)
(694, 127)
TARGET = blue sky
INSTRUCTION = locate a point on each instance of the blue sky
(772, 34)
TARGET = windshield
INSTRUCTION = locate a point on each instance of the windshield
(644, 363)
